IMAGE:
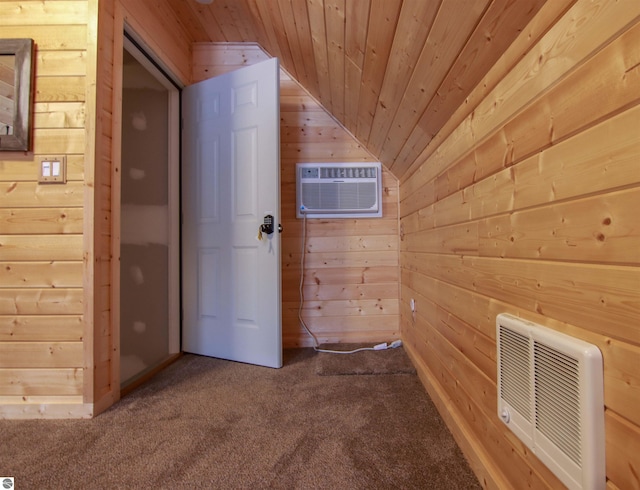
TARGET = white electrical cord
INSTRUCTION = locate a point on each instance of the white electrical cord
(383, 346)
(304, 239)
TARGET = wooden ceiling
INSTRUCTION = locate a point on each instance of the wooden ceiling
(391, 71)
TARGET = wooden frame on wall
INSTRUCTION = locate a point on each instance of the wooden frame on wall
(19, 139)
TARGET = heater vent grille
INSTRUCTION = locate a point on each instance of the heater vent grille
(550, 389)
(515, 371)
(558, 399)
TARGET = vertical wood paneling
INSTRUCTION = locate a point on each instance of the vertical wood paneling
(351, 266)
(392, 71)
(501, 23)
(383, 19)
(317, 26)
(285, 38)
(155, 25)
(265, 32)
(335, 25)
(303, 32)
(92, 194)
(289, 21)
(100, 392)
(355, 39)
(445, 41)
(414, 25)
(527, 208)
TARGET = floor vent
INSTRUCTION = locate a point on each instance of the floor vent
(550, 394)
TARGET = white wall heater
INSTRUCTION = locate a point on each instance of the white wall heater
(550, 394)
(339, 190)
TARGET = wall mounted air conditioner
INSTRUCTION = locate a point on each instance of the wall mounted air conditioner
(550, 394)
(339, 190)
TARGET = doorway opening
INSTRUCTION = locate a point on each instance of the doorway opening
(149, 217)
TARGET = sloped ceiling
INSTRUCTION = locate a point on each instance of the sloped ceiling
(391, 71)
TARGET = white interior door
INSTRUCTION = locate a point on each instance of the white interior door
(231, 181)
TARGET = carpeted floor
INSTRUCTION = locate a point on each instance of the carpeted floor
(208, 423)
(389, 361)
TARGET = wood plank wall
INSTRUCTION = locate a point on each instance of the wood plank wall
(58, 336)
(103, 343)
(351, 268)
(58, 297)
(154, 27)
(41, 226)
(527, 204)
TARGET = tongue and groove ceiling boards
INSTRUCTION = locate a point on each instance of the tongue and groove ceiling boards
(391, 71)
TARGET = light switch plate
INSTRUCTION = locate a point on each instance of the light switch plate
(53, 169)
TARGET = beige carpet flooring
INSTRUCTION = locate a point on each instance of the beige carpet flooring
(389, 361)
(208, 423)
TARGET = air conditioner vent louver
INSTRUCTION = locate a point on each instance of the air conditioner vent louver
(347, 195)
(550, 389)
(339, 190)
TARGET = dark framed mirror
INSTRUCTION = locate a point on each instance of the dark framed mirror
(16, 62)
